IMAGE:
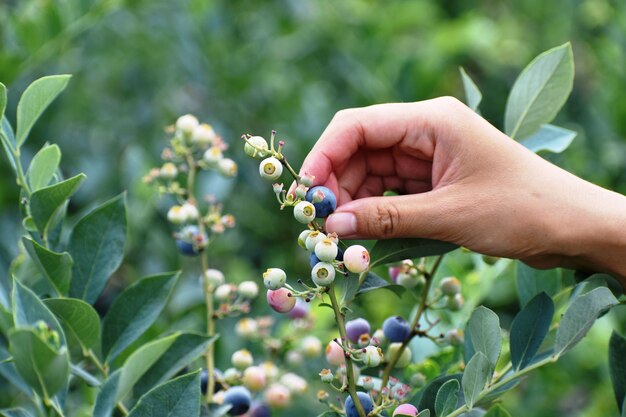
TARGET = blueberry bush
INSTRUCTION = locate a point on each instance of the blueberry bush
(62, 353)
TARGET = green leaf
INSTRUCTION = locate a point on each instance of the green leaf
(484, 326)
(43, 166)
(35, 100)
(529, 329)
(447, 398)
(497, 411)
(580, 316)
(178, 397)
(8, 372)
(424, 413)
(8, 140)
(45, 202)
(55, 267)
(395, 250)
(473, 96)
(105, 401)
(185, 349)
(78, 319)
(531, 282)
(140, 361)
(624, 408)
(539, 92)
(373, 282)
(617, 367)
(429, 395)
(134, 311)
(89, 379)
(476, 375)
(3, 99)
(15, 412)
(97, 246)
(28, 310)
(329, 414)
(550, 138)
(45, 369)
(216, 410)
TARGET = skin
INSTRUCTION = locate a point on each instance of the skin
(463, 181)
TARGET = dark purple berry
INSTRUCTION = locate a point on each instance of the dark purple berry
(260, 410)
(239, 398)
(357, 327)
(396, 329)
(365, 400)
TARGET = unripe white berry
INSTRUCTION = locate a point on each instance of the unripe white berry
(455, 337)
(356, 259)
(372, 356)
(214, 277)
(190, 211)
(302, 238)
(295, 383)
(176, 215)
(227, 167)
(256, 147)
(203, 135)
(271, 370)
(311, 346)
(213, 155)
(294, 358)
(271, 168)
(246, 327)
(456, 303)
(323, 274)
(231, 376)
(274, 278)
(223, 292)
(254, 378)
(248, 290)
(168, 171)
(278, 396)
(326, 250)
(313, 239)
(186, 124)
(304, 212)
(450, 286)
(405, 357)
(241, 359)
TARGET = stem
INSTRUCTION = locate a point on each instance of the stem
(191, 176)
(421, 309)
(285, 163)
(105, 372)
(339, 318)
(210, 356)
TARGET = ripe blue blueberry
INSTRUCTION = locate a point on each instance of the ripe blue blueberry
(365, 400)
(357, 327)
(239, 398)
(260, 410)
(396, 329)
(323, 199)
(204, 380)
(190, 241)
(313, 260)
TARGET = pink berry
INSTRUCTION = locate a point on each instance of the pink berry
(335, 354)
(405, 410)
(281, 300)
(356, 258)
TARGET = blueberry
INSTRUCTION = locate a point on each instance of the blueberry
(365, 400)
(239, 398)
(396, 329)
(190, 241)
(204, 380)
(357, 327)
(313, 260)
(260, 410)
(323, 199)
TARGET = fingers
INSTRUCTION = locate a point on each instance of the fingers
(427, 215)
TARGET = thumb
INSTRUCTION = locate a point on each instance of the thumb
(416, 215)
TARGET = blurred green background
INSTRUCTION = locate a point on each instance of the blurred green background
(289, 65)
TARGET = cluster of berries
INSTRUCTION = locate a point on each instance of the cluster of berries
(192, 147)
(233, 299)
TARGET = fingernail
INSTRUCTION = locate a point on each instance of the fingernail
(344, 224)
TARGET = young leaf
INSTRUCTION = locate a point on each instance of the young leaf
(531, 282)
(45, 202)
(3, 99)
(476, 375)
(424, 413)
(9, 373)
(43, 166)
(28, 310)
(373, 282)
(539, 92)
(105, 401)
(15, 412)
(580, 316)
(78, 319)
(617, 367)
(529, 329)
(56, 267)
(429, 396)
(394, 250)
(97, 247)
(447, 398)
(484, 326)
(35, 100)
(45, 369)
(178, 397)
(185, 349)
(497, 411)
(134, 311)
(550, 138)
(473, 96)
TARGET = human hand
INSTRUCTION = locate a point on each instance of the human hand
(462, 181)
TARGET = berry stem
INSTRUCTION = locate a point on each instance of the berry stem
(421, 309)
(210, 318)
(339, 318)
(286, 164)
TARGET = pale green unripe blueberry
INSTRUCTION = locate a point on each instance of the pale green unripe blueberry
(295, 383)
(186, 124)
(327, 376)
(271, 168)
(455, 337)
(271, 370)
(213, 155)
(248, 290)
(450, 286)
(405, 357)
(203, 135)
(168, 171)
(227, 167)
(326, 250)
(190, 211)
(372, 356)
(214, 277)
(176, 215)
(274, 278)
(256, 147)
(455, 303)
(313, 239)
(356, 259)
(294, 358)
(247, 327)
(323, 274)
(241, 359)
(411, 280)
(224, 291)
(302, 238)
(418, 380)
(231, 376)
(301, 191)
(311, 346)
(304, 212)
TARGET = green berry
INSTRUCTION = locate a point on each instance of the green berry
(274, 278)
(313, 239)
(302, 238)
(271, 168)
(256, 147)
(323, 274)
(326, 250)
(304, 212)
